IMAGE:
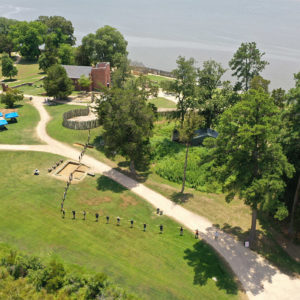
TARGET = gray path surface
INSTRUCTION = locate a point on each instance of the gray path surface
(259, 278)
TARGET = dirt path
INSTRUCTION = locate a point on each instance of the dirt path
(259, 278)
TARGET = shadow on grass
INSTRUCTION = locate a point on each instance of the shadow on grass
(207, 265)
(179, 198)
(9, 80)
(267, 246)
(106, 184)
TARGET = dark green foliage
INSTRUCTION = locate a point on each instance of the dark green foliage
(127, 122)
(249, 160)
(8, 68)
(246, 63)
(84, 82)
(60, 29)
(66, 54)
(28, 37)
(108, 45)
(184, 86)
(10, 97)
(53, 279)
(259, 82)
(57, 83)
(46, 60)
(7, 44)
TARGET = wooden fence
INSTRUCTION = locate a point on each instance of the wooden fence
(79, 125)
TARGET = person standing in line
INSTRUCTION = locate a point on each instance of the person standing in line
(131, 223)
(161, 228)
(118, 221)
(74, 214)
(145, 226)
(197, 234)
(107, 219)
(84, 215)
(97, 217)
(62, 206)
(63, 213)
(181, 231)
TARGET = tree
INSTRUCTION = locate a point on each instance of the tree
(6, 42)
(57, 83)
(184, 86)
(28, 36)
(108, 44)
(249, 159)
(291, 145)
(209, 81)
(259, 82)
(62, 30)
(127, 122)
(8, 68)
(279, 97)
(84, 82)
(191, 123)
(46, 60)
(10, 97)
(121, 74)
(246, 63)
(66, 54)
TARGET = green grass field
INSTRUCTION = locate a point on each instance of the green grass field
(152, 265)
(22, 132)
(158, 79)
(162, 102)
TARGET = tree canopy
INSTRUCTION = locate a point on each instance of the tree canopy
(57, 83)
(246, 63)
(10, 97)
(249, 159)
(8, 68)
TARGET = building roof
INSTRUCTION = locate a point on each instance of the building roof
(75, 72)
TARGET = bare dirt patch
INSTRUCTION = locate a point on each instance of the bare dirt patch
(128, 200)
(77, 170)
(96, 201)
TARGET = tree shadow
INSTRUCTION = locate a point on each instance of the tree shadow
(9, 80)
(207, 265)
(167, 147)
(106, 184)
(180, 198)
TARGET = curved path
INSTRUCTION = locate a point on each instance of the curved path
(259, 278)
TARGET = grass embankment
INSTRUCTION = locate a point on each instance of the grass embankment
(152, 265)
(23, 131)
(157, 79)
(233, 218)
(162, 102)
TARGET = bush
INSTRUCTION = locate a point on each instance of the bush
(10, 97)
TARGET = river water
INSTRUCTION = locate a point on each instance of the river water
(158, 31)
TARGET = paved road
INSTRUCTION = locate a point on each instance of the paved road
(259, 278)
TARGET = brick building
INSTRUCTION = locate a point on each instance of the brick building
(99, 75)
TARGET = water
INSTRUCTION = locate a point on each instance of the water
(158, 31)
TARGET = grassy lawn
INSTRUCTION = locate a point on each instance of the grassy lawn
(152, 265)
(158, 79)
(22, 132)
(160, 102)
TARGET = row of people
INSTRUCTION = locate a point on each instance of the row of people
(118, 222)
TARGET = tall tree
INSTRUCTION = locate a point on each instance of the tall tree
(209, 81)
(8, 68)
(127, 122)
(57, 83)
(291, 146)
(7, 44)
(62, 30)
(191, 123)
(184, 86)
(108, 44)
(246, 63)
(259, 82)
(249, 159)
(121, 74)
(28, 37)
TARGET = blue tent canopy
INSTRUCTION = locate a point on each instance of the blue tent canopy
(11, 115)
(1, 115)
(3, 122)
